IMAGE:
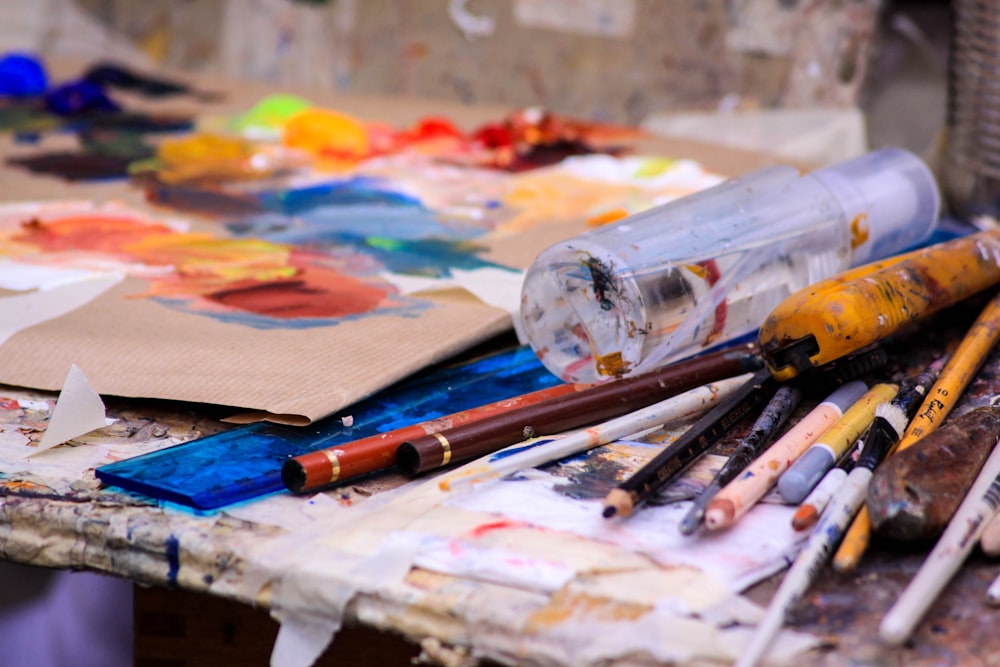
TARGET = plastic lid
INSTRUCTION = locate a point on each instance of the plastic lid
(890, 198)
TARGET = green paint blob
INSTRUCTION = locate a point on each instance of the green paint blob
(271, 113)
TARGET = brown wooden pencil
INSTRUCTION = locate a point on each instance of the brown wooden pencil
(589, 406)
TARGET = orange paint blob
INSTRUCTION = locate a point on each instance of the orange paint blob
(607, 217)
(313, 292)
(328, 135)
(95, 233)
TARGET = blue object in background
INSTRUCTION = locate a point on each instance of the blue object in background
(22, 75)
(79, 97)
(245, 462)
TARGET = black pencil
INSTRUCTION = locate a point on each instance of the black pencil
(697, 440)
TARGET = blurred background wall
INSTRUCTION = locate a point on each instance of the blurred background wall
(845, 75)
(615, 61)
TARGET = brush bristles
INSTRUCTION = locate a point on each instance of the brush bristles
(893, 414)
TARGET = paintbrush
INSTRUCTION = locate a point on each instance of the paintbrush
(955, 376)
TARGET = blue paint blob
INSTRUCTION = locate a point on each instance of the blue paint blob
(358, 190)
(22, 75)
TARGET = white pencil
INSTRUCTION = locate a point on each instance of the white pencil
(683, 405)
(833, 523)
(948, 554)
(819, 545)
(812, 507)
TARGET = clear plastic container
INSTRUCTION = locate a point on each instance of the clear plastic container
(674, 280)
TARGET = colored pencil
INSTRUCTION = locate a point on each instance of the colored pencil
(575, 410)
(842, 507)
(810, 509)
(739, 495)
(889, 424)
(691, 445)
(956, 375)
(800, 478)
(677, 407)
(980, 504)
(762, 433)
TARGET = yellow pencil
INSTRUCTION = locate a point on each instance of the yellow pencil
(955, 377)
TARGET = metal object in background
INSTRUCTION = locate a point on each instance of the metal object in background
(970, 177)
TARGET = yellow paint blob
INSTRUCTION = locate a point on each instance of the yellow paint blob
(611, 364)
(574, 607)
(204, 157)
(200, 147)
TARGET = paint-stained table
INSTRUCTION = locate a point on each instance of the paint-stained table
(237, 558)
(379, 556)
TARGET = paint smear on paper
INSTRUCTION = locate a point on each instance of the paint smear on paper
(206, 274)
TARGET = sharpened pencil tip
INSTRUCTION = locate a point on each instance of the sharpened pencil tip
(693, 519)
(618, 503)
(719, 514)
(805, 517)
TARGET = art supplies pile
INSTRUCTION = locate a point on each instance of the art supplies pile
(317, 273)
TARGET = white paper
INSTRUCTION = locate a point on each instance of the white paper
(21, 311)
(79, 409)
